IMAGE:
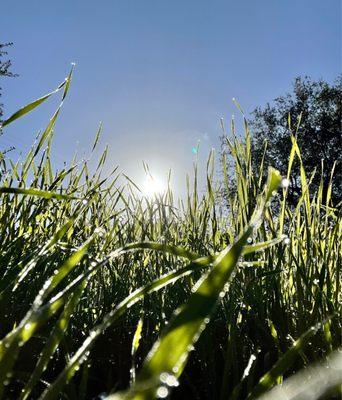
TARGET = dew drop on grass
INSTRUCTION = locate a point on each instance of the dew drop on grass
(162, 392)
(287, 240)
(285, 183)
(168, 379)
(249, 240)
(175, 370)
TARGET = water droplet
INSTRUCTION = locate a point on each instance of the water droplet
(285, 183)
(162, 392)
(85, 201)
(168, 379)
(249, 240)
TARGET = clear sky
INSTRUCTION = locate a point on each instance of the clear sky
(159, 74)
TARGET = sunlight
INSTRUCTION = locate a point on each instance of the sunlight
(153, 186)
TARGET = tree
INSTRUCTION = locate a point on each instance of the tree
(319, 134)
(5, 69)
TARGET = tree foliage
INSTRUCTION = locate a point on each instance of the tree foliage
(317, 106)
(5, 68)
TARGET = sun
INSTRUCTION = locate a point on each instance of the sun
(153, 186)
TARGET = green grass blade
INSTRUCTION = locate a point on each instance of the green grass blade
(56, 336)
(283, 364)
(31, 106)
(37, 192)
(318, 381)
(53, 391)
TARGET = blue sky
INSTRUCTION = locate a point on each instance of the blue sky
(159, 74)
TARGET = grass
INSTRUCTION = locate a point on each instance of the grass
(104, 292)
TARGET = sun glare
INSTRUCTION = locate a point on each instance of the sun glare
(153, 186)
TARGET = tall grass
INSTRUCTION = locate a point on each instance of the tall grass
(105, 291)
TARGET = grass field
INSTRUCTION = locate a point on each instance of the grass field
(106, 293)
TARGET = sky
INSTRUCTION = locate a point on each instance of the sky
(158, 74)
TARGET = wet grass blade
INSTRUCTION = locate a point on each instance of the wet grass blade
(56, 336)
(283, 364)
(52, 392)
(317, 381)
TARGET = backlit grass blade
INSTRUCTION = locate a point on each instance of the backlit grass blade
(37, 192)
(23, 268)
(317, 381)
(56, 336)
(31, 106)
(283, 364)
(258, 247)
(36, 316)
(135, 345)
(190, 255)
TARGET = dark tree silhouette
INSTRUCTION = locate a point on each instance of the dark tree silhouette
(319, 133)
(5, 69)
